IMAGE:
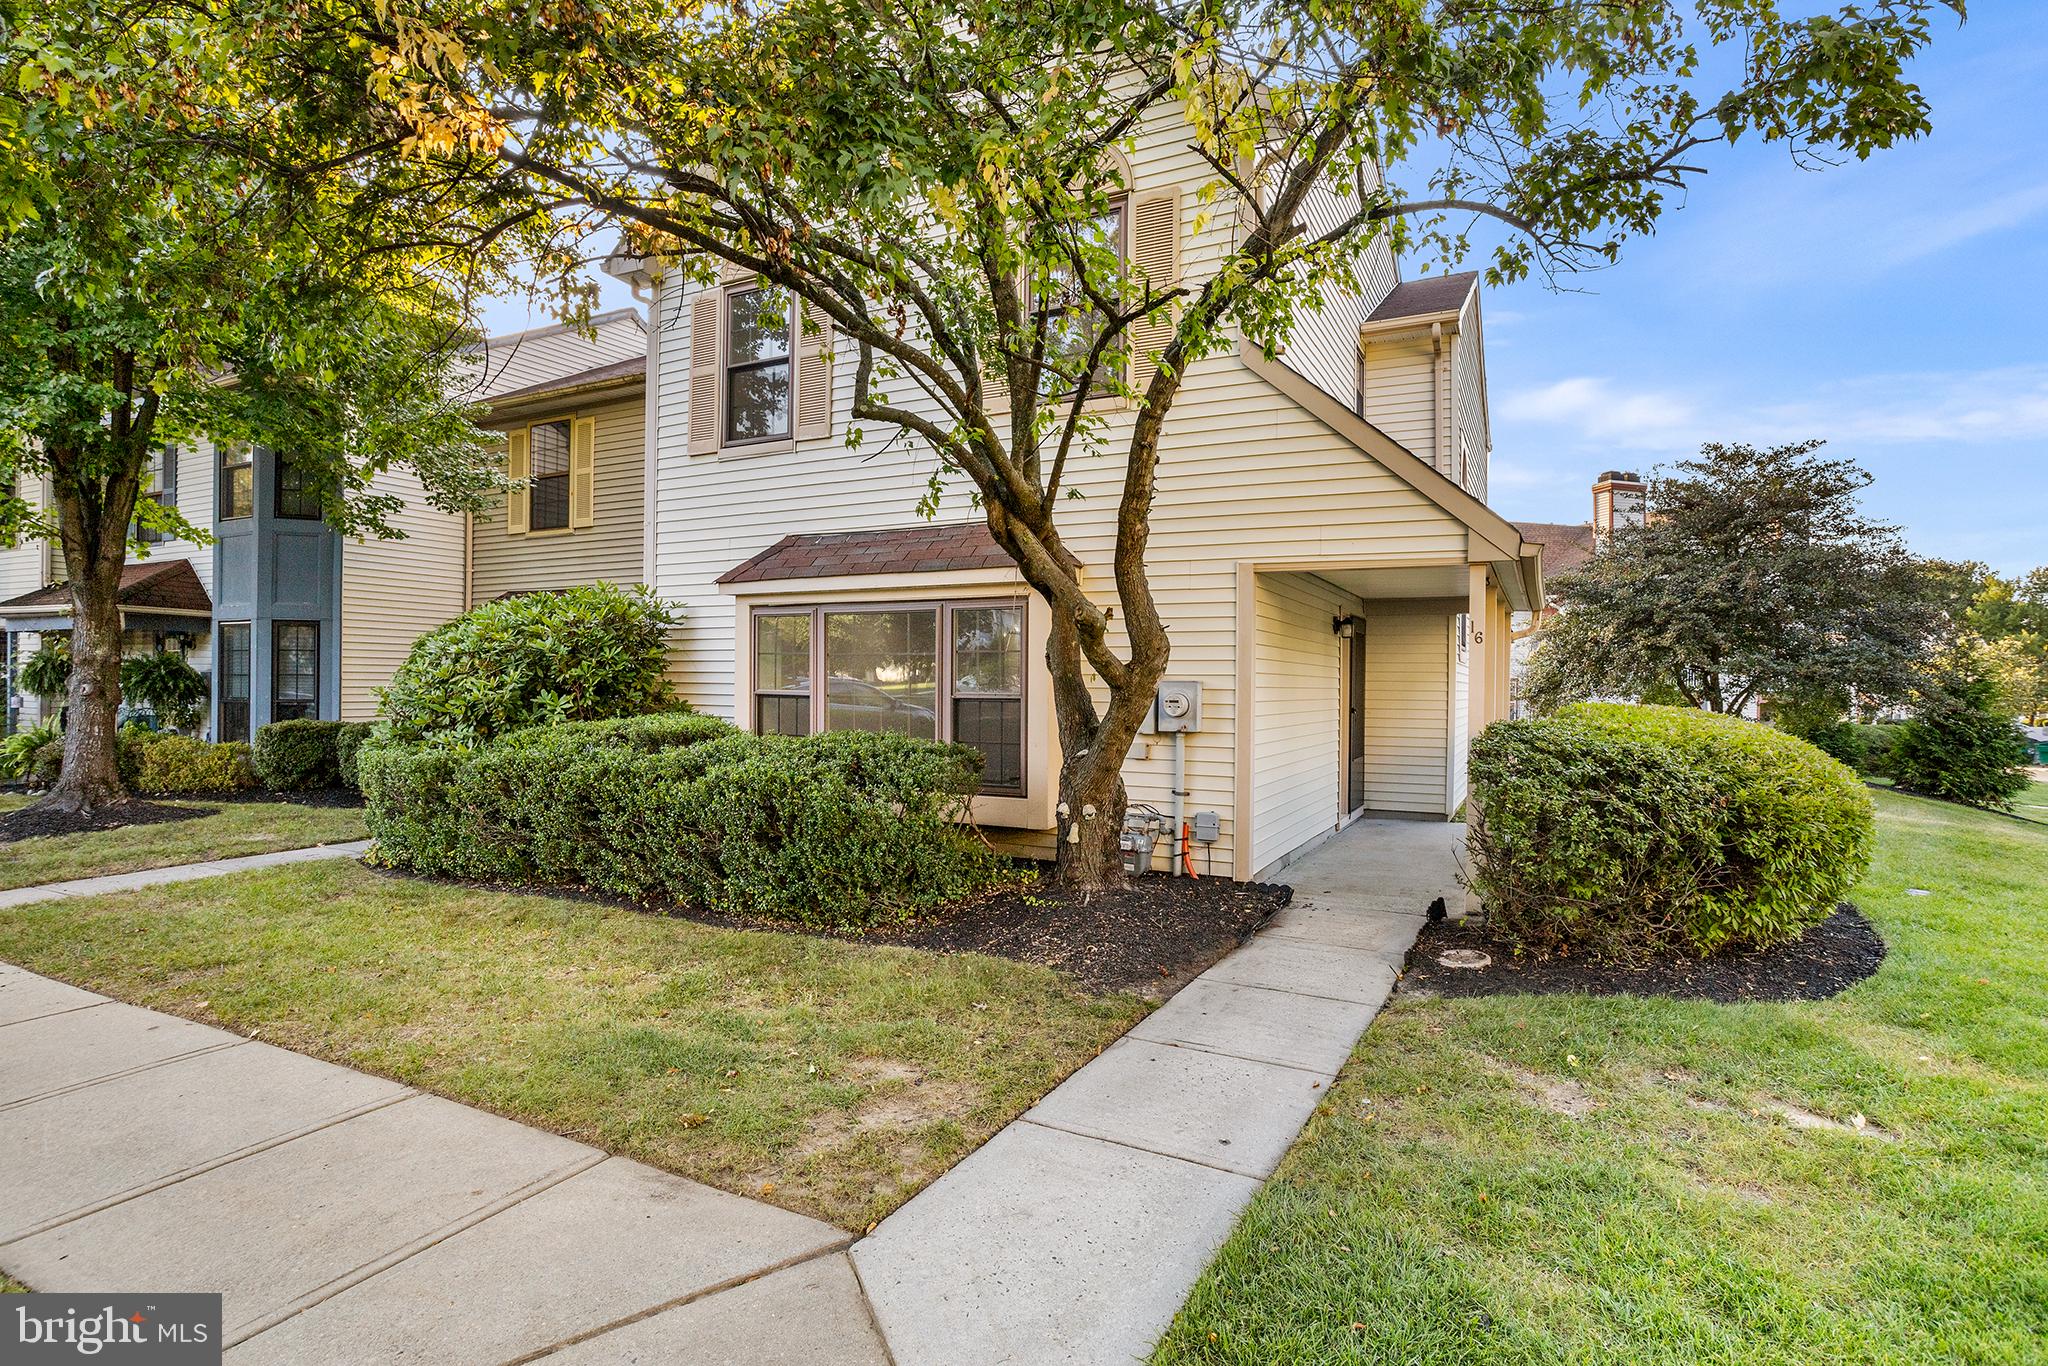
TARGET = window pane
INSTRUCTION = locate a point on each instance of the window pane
(234, 682)
(759, 326)
(294, 498)
(988, 650)
(295, 671)
(782, 652)
(881, 672)
(238, 491)
(757, 402)
(782, 715)
(549, 445)
(549, 506)
(995, 726)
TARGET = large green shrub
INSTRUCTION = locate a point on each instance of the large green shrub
(1955, 747)
(178, 763)
(844, 830)
(348, 743)
(575, 655)
(21, 753)
(1617, 828)
(293, 756)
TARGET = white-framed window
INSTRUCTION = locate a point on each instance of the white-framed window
(758, 371)
(946, 670)
(1073, 322)
(548, 494)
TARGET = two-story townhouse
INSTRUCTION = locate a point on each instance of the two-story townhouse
(292, 619)
(1321, 549)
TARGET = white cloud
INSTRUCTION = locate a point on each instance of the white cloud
(1929, 408)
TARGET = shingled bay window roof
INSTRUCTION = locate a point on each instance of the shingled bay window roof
(147, 586)
(904, 550)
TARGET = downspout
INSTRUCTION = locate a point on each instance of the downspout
(1438, 455)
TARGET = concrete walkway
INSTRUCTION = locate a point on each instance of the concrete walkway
(1075, 1233)
(349, 1218)
(180, 872)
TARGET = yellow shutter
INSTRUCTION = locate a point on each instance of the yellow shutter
(518, 468)
(583, 472)
(814, 376)
(1155, 261)
(704, 310)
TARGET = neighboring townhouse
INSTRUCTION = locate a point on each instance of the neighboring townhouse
(1321, 548)
(1620, 498)
(291, 619)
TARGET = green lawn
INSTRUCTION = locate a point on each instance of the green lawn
(236, 828)
(10, 1286)
(1582, 1180)
(833, 1078)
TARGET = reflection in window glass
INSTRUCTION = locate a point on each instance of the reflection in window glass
(988, 703)
(757, 365)
(234, 681)
(237, 481)
(295, 671)
(548, 447)
(782, 673)
(1072, 320)
(882, 671)
(296, 498)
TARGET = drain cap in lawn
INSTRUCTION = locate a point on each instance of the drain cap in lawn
(1463, 958)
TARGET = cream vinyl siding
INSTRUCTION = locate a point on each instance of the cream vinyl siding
(612, 548)
(393, 592)
(1401, 396)
(1407, 709)
(1298, 726)
(1468, 381)
(503, 365)
(1245, 475)
(26, 567)
(1324, 347)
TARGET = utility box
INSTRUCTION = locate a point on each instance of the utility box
(1208, 827)
(1178, 707)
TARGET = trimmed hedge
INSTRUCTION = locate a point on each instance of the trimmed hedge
(1618, 829)
(293, 756)
(844, 830)
(348, 741)
(178, 763)
(578, 654)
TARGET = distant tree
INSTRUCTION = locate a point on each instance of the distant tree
(1959, 745)
(2009, 621)
(1757, 575)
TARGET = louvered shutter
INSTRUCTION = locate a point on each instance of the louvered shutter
(814, 376)
(1155, 260)
(704, 310)
(583, 472)
(518, 467)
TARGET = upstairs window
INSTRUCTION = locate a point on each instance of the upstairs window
(155, 489)
(759, 340)
(296, 498)
(549, 505)
(237, 481)
(1072, 321)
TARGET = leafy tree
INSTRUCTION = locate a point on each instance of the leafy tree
(932, 177)
(1956, 745)
(1757, 576)
(202, 234)
(2009, 620)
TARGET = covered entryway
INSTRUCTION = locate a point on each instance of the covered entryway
(1365, 683)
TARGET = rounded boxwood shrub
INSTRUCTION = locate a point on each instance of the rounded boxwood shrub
(293, 756)
(845, 830)
(1617, 829)
(576, 655)
(348, 742)
(178, 763)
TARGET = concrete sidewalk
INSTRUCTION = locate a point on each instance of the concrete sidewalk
(1075, 1233)
(345, 1217)
(177, 872)
(348, 1218)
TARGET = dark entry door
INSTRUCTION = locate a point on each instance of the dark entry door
(1354, 719)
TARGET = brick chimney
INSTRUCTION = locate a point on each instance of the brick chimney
(1619, 499)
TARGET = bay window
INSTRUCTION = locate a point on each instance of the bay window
(933, 671)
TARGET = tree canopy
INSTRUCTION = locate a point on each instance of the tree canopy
(1756, 575)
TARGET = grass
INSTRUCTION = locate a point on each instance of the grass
(235, 828)
(832, 1078)
(1595, 1180)
(10, 1286)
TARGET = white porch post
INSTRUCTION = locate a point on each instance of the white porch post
(1478, 653)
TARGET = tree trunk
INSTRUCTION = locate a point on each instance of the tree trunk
(1093, 745)
(91, 779)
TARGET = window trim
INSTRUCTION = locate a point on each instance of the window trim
(942, 683)
(727, 442)
(279, 463)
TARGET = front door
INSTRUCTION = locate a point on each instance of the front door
(1354, 719)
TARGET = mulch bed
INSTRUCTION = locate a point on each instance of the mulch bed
(31, 823)
(1829, 958)
(323, 796)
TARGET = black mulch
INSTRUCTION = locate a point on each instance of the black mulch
(323, 796)
(31, 822)
(1151, 936)
(1829, 958)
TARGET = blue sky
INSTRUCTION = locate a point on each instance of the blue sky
(1893, 307)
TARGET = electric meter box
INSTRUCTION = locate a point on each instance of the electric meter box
(1178, 706)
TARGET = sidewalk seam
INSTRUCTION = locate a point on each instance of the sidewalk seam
(1136, 1037)
(1238, 1172)
(66, 1090)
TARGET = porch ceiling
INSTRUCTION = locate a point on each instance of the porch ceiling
(1433, 581)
